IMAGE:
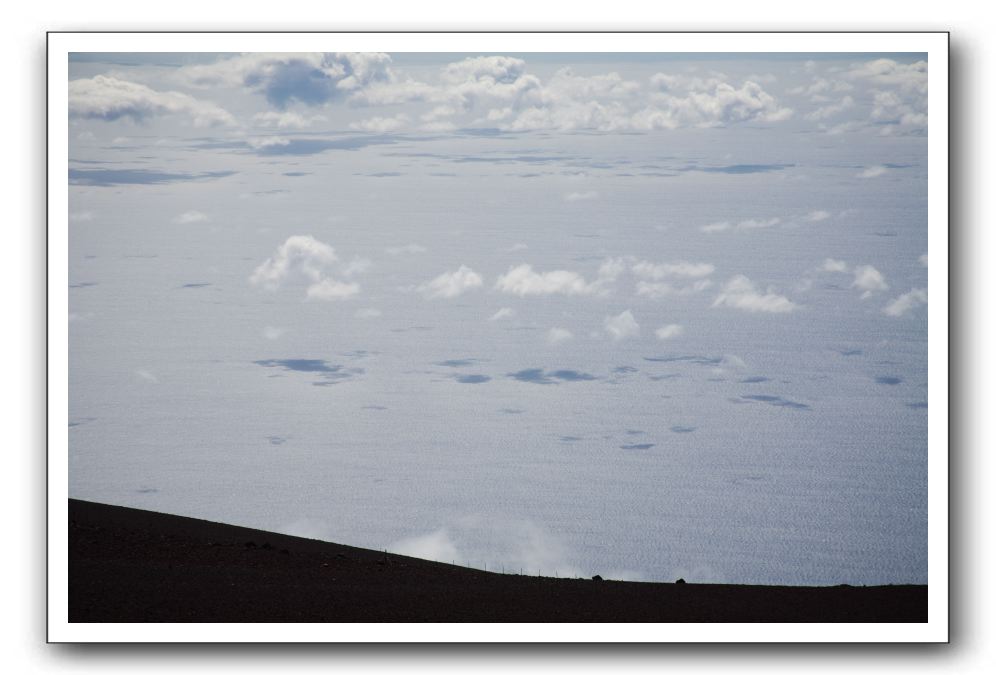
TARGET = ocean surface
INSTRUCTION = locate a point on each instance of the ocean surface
(517, 421)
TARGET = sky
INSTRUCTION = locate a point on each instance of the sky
(643, 316)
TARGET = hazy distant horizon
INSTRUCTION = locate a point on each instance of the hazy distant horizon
(643, 316)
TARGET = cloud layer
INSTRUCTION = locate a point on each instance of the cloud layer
(109, 98)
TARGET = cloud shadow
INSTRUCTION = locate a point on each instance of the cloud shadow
(777, 401)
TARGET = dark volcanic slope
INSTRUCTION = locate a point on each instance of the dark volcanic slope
(132, 565)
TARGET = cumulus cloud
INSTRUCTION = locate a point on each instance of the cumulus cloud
(273, 332)
(189, 217)
(498, 91)
(906, 77)
(580, 196)
(669, 331)
(503, 313)
(757, 224)
(748, 224)
(648, 270)
(330, 289)
(523, 281)
(622, 326)
(831, 110)
(869, 280)
(308, 257)
(108, 98)
(659, 289)
(906, 302)
(741, 293)
(831, 265)
(407, 249)
(356, 266)
(462, 87)
(923, 260)
(609, 103)
(706, 102)
(872, 171)
(302, 252)
(452, 284)
(557, 335)
(817, 216)
(81, 216)
(894, 92)
(721, 226)
(307, 78)
(820, 86)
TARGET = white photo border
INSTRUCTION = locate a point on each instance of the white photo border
(934, 44)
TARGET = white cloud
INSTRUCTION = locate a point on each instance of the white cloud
(491, 69)
(407, 249)
(330, 289)
(305, 255)
(622, 326)
(580, 196)
(286, 120)
(80, 217)
(733, 361)
(869, 280)
(907, 302)
(872, 172)
(923, 260)
(911, 77)
(707, 102)
(819, 87)
(452, 284)
(433, 546)
(740, 293)
(757, 224)
(832, 110)
(147, 376)
(658, 289)
(273, 332)
(368, 313)
(817, 216)
(521, 543)
(523, 281)
(381, 125)
(669, 331)
(356, 266)
(648, 270)
(301, 252)
(831, 265)
(109, 98)
(304, 77)
(263, 142)
(497, 90)
(189, 217)
(557, 335)
(503, 313)
(749, 224)
(716, 227)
